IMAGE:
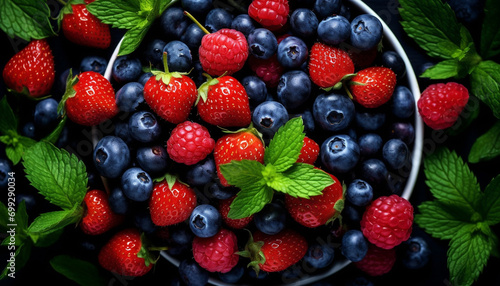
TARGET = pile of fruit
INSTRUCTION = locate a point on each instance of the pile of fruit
(273, 142)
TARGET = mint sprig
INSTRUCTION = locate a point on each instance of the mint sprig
(26, 19)
(486, 146)
(461, 213)
(280, 172)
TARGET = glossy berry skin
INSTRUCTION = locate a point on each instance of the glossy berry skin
(218, 18)
(218, 252)
(394, 61)
(144, 127)
(192, 38)
(111, 156)
(395, 154)
(130, 96)
(126, 69)
(191, 273)
(319, 255)
(366, 31)
(93, 63)
(402, 102)
(234, 275)
(370, 120)
(152, 159)
(205, 220)
(118, 202)
(404, 131)
(217, 191)
(359, 193)
(292, 52)
(268, 117)
(271, 219)
(374, 172)
(270, 14)
(99, 217)
(119, 254)
(377, 261)
(224, 208)
(441, 104)
(262, 43)
(416, 253)
(142, 220)
(170, 206)
(309, 151)
(243, 23)
(201, 173)
(294, 89)
(339, 153)
(136, 184)
(152, 54)
(354, 246)
(179, 56)
(303, 23)
(83, 28)
(370, 144)
(173, 22)
(326, 8)
(374, 86)
(328, 65)
(45, 115)
(197, 7)
(256, 89)
(334, 30)
(31, 68)
(189, 143)
(387, 221)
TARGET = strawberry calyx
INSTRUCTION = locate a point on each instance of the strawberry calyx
(250, 129)
(165, 76)
(203, 89)
(67, 9)
(68, 92)
(338, 206)
(341, 83)
(147, 251)
(170, 179)
(253, 251)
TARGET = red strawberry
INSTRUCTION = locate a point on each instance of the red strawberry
(329, 65)
(224, 102)
(317, 210)
(98, 217)
(31, 70)
(269, 70)
(224, 207)
(270, 14)
(243, 144)
(123, 254)
(216, 253)
(373, 86)
(170, 205)
(309, 152)
(189, 143)
(82, 28)
(91, 100)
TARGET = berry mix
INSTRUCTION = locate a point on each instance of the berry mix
(211, 85)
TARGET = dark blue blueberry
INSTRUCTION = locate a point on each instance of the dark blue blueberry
(111, 156)
(130, 96)
(142, 220)
(153, 53)
(366, 32)
(255, 88)
(319, 255)
(326, 8)
(345, 11)
(28, 130)
(136, 184)
(220, 192)
(359, 193)
(126, 69)
(271, 219)
(201, 173)
(152, 159)
(144, 127)
(144, 78)
(374, 172)
(268, 117)
(218, 18)
(192, 37)
(45, 115)
(173, 22)
(243, 23)
(307, 119)
(262, 43)
(292, 52)
(205, 220)
(333, 112)
(93, 63)
(402, 102)
(395, 153)
(258, 276)
(334, 30)
(234, 275)
(404, 131)
(467, 11)
(416, 253)
(352, 213)
(354, 245)
(304, 23)
(394, 61)
(197, 7)
(370, 120)
(181, 234)
(179, 58)
(118, 202)
(339, 153)
(370, 144)
(191, 273)
(122, 131)
(294, 89)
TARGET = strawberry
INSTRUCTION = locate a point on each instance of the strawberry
(124, 254)
(171, 203)
(242, 144)
(217, 253)
(270, 14)
(31, 70)
(317, 210)
(373, 86)
(224, 102)
(98, 217)
(329, 65)
(224, 207)
(171, 95)
(309, 152)
(90, 99)
(79, 26)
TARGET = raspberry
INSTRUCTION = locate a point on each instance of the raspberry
(440, 104)
(377, 261)
(189, 143)
(270, 14)
(268, 70)
(216, 253)
(387, 221)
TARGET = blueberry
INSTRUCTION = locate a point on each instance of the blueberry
(339, 153)
(395, 153)
(416, 253)
(153, 53)
(395, 62)
(218, 18)
(334, 30)
(294, 89)
(201, 173)
(192, 36)
(292, 52)
(255, 88)
(354, 245)
(144, 127)
(325, 8)
(93, 63)
(234, 275)
(28, 130)
(118, 202)
(304, 23)
(205, 220)
(191, 273)
(126, 69)
(402, 102)
(262, 43)
(143, 78)
(333, 112)
(352, 213)
(173, 22)
(366, 32)
(370, 144)
(243, 23)
(258, 276)
(359, 193)
(181, 234)
(271, 219)
(142, 220)
(197, 7)
(111, 156)
(374, 172)
(370, 120)
(179, 58)
(122, 131)
(136, 184)
(220, 192)
(45, 115)
(152, 159)
(268, 117)
(345, 11)
(467, 11)
(5, 169)
(307, 119)
(130, 96)
(404, 131)
(319, 255)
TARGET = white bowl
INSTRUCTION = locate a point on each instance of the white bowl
(416, 153)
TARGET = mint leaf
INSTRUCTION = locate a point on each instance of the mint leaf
(26, 19)
(8, 121)
(485, 84)
(132, 39)
(81, 271)
(284, 148)
(126, 14)
(250, 200)
(490, 34)
(50, 222)
(487, 146)
(439, 220)
(59, 176)
(491, 202)
(443, 70)
(16, 145)
(243, 173)
(303, 180)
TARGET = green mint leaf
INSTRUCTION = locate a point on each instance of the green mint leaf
(443, 70)
(132, 39)
(58, 175)
(486, 146)
(303, 180)
(50, 222)
(250, 200)
(468, 253)
(16, 145)
(125, 14)
(80, 271)
(8, 121)
(451, 181)
(21, 256)
(26, 19)
(490, 34)
(485, 84)
(440, 220)
(243, 173)
(284, 148)
(491, 202)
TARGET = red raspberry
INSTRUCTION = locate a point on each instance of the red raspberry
(377, 261)
(216, 253)
(189, 143)
(387, 221)
(440, 104)
(268, 70)
(270, 14)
